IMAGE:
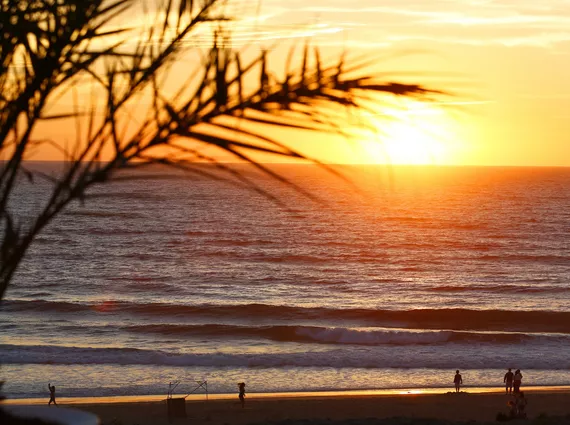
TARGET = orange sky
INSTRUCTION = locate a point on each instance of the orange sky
(508, 62)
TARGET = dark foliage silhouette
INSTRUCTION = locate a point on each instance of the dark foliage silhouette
(52, 49)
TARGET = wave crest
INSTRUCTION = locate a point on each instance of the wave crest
(46, 354)
(455, 318)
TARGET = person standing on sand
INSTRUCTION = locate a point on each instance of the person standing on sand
(241, 387)
(457, 381)
(508, 380)
(51, 394)
(517, 380)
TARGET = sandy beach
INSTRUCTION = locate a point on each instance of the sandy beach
(481, 407)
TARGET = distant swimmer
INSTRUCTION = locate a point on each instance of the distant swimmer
(458, 380)
(51, 394)
(508, 380)
(241, 387)
(517, 380)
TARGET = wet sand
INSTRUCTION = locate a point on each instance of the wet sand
(348, 408)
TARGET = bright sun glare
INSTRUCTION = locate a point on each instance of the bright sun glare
(416, 135)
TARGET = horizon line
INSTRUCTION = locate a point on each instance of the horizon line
(42, 161)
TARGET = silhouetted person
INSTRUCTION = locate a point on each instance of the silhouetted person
(241, 387)
(508, 380)
(512, 410)
(517, 379)
(457, 381)
(51, 394)
(520, 405)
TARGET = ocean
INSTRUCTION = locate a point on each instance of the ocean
(393, 277)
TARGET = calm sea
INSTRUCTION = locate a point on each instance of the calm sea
(391, 280)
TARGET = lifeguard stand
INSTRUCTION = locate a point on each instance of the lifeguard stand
(176, 407)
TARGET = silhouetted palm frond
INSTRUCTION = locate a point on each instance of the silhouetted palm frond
(50, 49)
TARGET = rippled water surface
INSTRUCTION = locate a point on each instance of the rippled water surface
(394, 279)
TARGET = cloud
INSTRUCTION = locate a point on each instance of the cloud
(375, 24)
(499, 22)
(546, 40)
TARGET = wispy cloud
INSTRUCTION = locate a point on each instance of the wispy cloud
(470, 22)
(380, 24)
(545, 40)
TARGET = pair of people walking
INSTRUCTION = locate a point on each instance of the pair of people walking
(513, 381)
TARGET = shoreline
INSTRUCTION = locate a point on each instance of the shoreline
(126, 399)
(549, 407)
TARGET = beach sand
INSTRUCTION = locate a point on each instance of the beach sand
(482, 407)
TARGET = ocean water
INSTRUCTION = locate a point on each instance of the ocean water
(392, 279)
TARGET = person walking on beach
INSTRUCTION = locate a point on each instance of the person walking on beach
(457, 381)
(241, 387)
(51, 394)
(517, 380)
(508, 380)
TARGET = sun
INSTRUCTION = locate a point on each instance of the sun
(419, 134)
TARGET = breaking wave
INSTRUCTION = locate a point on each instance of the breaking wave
(455, 318)
(340, 335)
(336, 358)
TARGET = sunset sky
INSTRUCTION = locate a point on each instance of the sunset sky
(510, 57)
(506, 61)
